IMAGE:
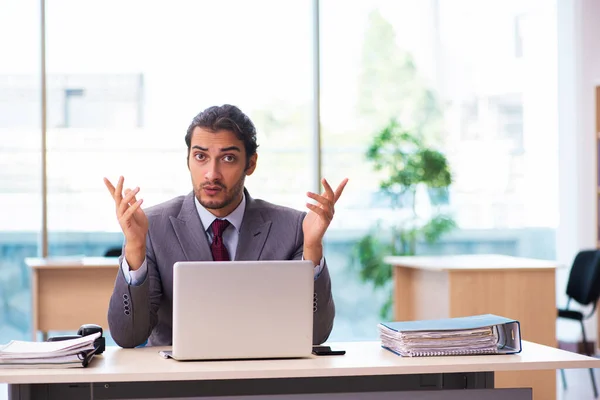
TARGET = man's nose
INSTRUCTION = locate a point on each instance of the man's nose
(213, 173)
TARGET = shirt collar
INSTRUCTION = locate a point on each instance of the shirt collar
(235, 217)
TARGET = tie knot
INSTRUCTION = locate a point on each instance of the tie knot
(219, 226)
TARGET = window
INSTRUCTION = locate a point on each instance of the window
(466, 95)
(20, 163)
(119, 102)
(122, 99)
(96, 101)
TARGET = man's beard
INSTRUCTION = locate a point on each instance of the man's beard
(231, 195)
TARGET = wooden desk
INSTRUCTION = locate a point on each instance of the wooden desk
(67, 293)
(458, 286)
(366, 367)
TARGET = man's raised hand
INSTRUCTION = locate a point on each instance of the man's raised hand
(132, 219)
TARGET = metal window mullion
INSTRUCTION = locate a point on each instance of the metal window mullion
(44, 231)
(316, 104)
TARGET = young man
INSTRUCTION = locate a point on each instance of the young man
(217, 221)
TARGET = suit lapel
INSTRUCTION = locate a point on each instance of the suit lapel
(253, 232)
(190, 232)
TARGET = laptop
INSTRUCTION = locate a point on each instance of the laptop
(242, 310)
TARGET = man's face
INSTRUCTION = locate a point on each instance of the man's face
(217, 163)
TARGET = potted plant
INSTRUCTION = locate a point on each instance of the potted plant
(408, 167)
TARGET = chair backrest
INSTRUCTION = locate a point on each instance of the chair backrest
(584, 279)
(113, 252)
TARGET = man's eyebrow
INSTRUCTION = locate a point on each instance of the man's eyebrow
(224, 149)
(230, 148)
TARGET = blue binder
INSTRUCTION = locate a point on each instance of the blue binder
(477, 334)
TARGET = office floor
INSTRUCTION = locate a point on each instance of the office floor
(578, 381)
(579, 385)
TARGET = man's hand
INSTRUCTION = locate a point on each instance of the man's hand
(317, 220)
(133, 221)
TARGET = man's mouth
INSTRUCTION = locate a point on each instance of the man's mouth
(212, 190)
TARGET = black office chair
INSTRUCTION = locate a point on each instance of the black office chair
(113, 252)
(583, 287)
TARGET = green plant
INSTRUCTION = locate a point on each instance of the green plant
(405, 163)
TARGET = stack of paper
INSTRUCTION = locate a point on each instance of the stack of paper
(480, 334)
(60, 354)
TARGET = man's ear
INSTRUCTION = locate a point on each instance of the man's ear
(251, 164)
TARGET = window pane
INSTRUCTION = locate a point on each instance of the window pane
(484, 102)
(20, 162)
(121, 100)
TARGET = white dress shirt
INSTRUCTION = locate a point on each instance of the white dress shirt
(230, 239)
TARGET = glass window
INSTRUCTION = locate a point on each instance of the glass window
(20, 162)
(122, 98)
(405, 86)
(482, 101)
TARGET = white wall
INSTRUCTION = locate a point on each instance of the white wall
(578, 72)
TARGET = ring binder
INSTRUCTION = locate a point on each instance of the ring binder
(67, 353)
(474, 335)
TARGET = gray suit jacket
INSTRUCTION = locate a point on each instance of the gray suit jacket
(268, 232)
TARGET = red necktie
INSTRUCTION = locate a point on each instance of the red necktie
(217, 247)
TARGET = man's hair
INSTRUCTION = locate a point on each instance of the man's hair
(226, 117)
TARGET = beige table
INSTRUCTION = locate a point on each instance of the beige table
(67, 293)
(457, 286)
(366, 367)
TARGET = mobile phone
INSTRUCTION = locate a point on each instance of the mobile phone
(327, 351)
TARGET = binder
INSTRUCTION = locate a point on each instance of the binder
(69, 353)
(473, 335)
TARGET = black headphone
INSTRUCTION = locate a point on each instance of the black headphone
(85, 330)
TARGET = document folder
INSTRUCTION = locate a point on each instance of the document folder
(60, 354)
(474, 335)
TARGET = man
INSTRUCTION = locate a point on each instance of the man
(217, 221)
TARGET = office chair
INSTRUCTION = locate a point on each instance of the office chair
(583, 287)
(113, 252)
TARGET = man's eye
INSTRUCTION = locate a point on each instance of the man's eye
(229, 158)
(199, 157)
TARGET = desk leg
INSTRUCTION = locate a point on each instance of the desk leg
(35, 310)
(404, 294)
(528, 296)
